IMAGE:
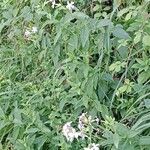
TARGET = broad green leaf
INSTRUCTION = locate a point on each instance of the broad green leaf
(143, 119)
(104, 23)
(97, 15)
(15, 133)
(143, 77)
(40, 141)
(137, 37)
(119, 32)
(1, 146)
(20, 145)
(3, 24)
(122, 130)
(57, 36)
(56, 54)
(2, 114)
(26, 13)
(116, 140)
(73, 43)
(147, 103)
(17, 116)
(104, 111)
(84, 36)
(97, 7)
(146, 40)
(98, 106)
(62, 104)
(85, 100)
(32, 130)
(80, 15)
(144, 140)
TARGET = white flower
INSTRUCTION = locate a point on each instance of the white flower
(27, 33)
(92, 147)
(53, 3)
(82, 121)
(95, 146)
(82, 135)
(85, 120)
(80, 125)
(97, 120)
(34, 29)
(90, 119)
(77, 135)
(69, 132)
(70, 5)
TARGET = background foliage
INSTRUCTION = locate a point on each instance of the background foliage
(95, 59)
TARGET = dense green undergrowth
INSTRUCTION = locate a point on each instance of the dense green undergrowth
(57, 62)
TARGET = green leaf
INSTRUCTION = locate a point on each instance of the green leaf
(57, 36)
(3, 24)
(144, 140)
(98, 105)
(80, 15)
(147, 103)
(97, 7)
(104, 111)
(84, 35)
(40, 141)
(119, 32)
(122, 130)
(32, 130)
(143, 77)
(56, 54)
(128, 16)
(73, 43)
(17, 116)
(116, 140)
(15, 133)
(26, 13)
(146, 40)
(137, 37)
(104, 23)
(142, 120)
(2, 114)
(62, 104)
(97, 15)
(85, 101)
(1, 146)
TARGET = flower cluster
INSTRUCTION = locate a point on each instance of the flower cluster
(70, 133)
(53, 3)
(70, 5)
(92, 146)
(84, 121)
(28, 33)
